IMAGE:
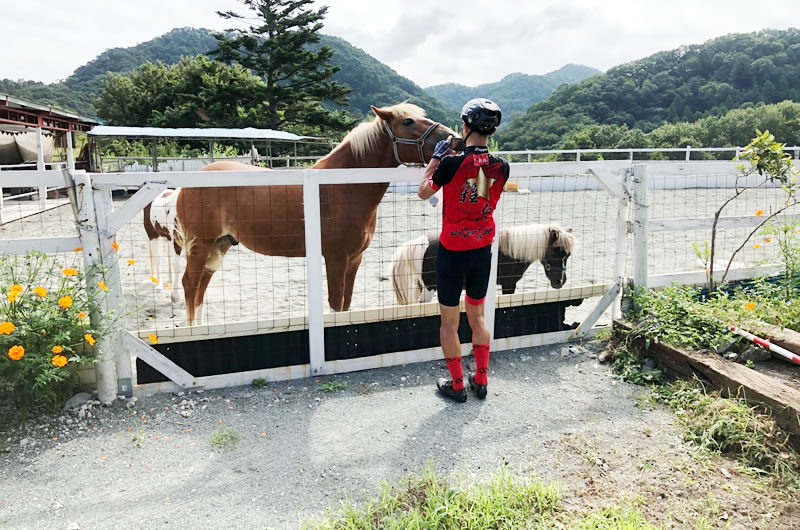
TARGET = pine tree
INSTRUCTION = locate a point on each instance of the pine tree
(279, 48)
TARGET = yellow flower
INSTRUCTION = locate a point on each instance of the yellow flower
(756, 246)
(89, 339)
(750, 306)
(57, 349)
(41, 291)
(759, 213)
(81, 315)
(115, 246)
(59, 360)
(12, 296)
(166, 284)
(69, 271)
(7, 328)
(131, 262)
(767, 240)
(15, 353)
(16, 288)
(103, 286)
(153, 338)
(65, 302)
(153, 279)
(77, 249)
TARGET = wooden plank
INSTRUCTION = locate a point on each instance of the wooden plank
(602, 305)
(48, 245)
(732, 379)
(155, 359)
(783, 337)
(314, 301)
(610, 182)
(115, 220)
(640, 207)
(655, 281)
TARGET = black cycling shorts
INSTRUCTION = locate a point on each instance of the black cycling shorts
(467, 269)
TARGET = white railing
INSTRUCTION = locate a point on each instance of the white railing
(688, 150)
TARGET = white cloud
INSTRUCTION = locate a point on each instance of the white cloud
(468, 42)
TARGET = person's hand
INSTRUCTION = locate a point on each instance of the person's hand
(442, 149)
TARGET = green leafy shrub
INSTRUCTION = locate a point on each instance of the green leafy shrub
(45, 331)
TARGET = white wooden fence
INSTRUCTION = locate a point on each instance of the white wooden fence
(98, 222)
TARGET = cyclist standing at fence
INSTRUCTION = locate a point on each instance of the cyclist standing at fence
(472, 183)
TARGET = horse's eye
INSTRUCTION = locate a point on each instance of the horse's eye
(407, 122)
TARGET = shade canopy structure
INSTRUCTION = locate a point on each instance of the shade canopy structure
(17, 114)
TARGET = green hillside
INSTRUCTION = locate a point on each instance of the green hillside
(681, 85)
(372, 81)
(515, 92)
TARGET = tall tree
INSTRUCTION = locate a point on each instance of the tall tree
(296, 79)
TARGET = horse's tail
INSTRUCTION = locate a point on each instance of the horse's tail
(407, 270)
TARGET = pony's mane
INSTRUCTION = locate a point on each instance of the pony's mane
(529, 242)
(365, 137)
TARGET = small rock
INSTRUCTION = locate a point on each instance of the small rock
(77, 400)
(724, 347)
(525, 358)
(242, 394)
(755, 354)
(649, 364)
(121, 397)
(74, 526)
(185, 413)
(403, 378)
(732, 356)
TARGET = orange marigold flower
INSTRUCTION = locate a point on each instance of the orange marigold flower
(59, 360)
(759, 213)
(102, 285)
(12, 297)
(115, 246)
(153, 338)
(750, 306)
(16, 288)
(756, 246)
(69, 271)
(57, 349)
(767, 240)
(15, 353)
(153, 279)
(41, 291)
(65, 302)
(77, 249)
(166, 284)
(81, 315)
(131, 261)
(90, 339)
(7, 328)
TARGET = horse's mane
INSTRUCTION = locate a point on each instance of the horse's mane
(365, 137)
(529, 242)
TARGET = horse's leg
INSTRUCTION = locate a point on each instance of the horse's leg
(336, 267)
(350, 278)
(155, 250)
(174, 275)
(196, 261)
(213, 264)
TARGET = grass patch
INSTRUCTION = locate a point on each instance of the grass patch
(729, 426)
(226, 438)
(333, 386)
(138, 437)
(259, 382)
(427, 500)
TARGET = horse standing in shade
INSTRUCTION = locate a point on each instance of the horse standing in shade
(414, 267)
(159, 225)
(269, 219)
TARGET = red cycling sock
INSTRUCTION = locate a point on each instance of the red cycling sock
(481, 354)
(454, 365)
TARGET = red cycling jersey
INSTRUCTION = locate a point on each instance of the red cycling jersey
(472, 185)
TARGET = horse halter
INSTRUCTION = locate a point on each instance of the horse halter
(562, 268)
(419, 142)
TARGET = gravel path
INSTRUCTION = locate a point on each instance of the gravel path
(552, 412)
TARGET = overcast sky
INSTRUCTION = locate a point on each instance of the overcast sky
(431, 42)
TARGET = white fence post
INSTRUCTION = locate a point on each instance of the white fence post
(688, 152)
(313, 234)
(640, 225)
(491, 294)
(40, 167)
(90, 243)
(620, 254)
(113, 300)
(70, 154)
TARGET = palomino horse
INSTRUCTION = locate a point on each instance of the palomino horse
(269, 219)
(414, 267)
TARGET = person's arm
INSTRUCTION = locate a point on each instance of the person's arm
(427, 188)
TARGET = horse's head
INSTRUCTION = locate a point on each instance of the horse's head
(559, 248)
(413, 135)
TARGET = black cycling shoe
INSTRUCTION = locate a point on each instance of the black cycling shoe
(480, 390)
(445, 387)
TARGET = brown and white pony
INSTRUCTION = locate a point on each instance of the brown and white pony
(269, 219)
(159, 225)
(414, 266)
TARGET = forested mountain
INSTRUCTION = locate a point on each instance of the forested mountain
(685, 84)
(372, 81)
(515, 92)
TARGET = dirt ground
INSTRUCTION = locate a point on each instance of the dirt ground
(552, 413)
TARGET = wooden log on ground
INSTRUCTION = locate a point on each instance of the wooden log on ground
(730, 378)
(785, 338)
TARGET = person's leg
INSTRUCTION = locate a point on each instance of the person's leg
(477, 283)
(449, 282)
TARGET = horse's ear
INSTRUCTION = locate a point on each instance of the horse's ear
(385, 115)
(569, 230)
